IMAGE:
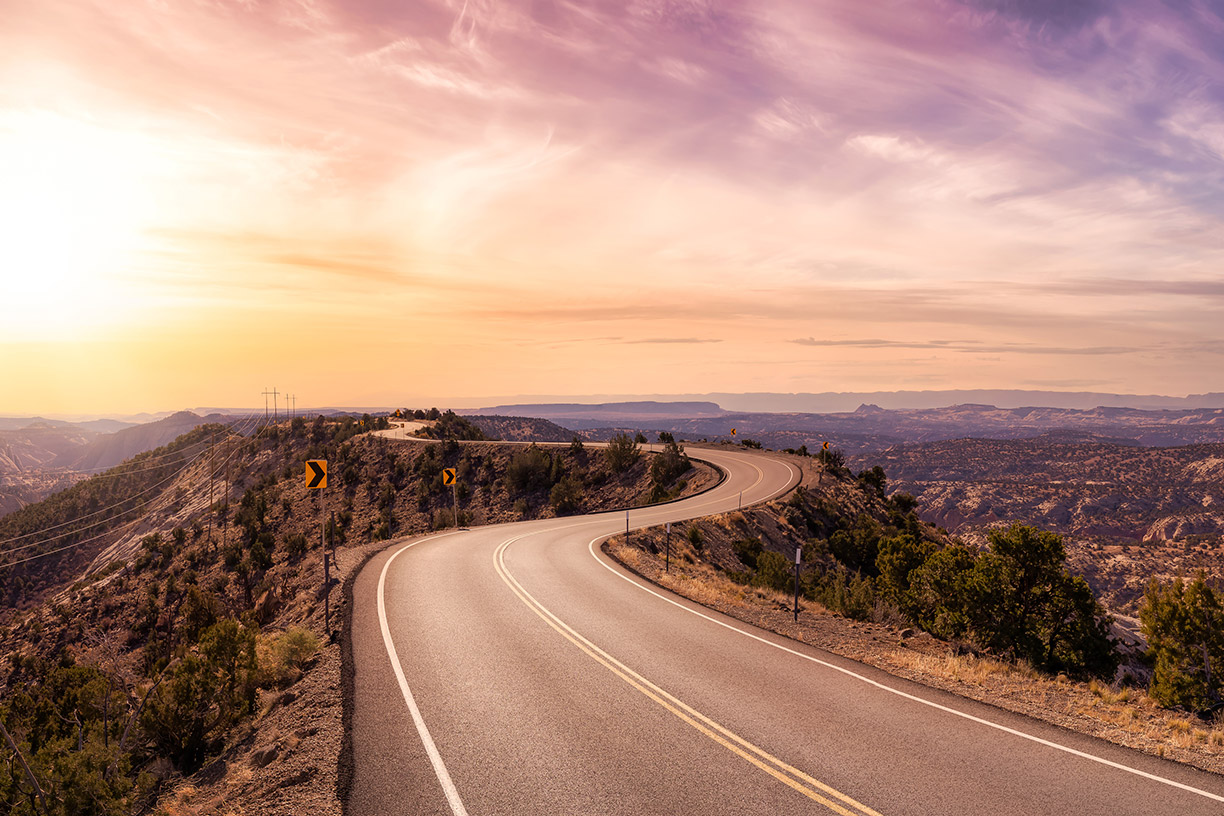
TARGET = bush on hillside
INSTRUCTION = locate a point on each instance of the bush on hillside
(1184, 625)
(622, 452)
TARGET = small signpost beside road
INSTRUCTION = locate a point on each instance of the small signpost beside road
(449, 478)
(798, 561)
(316, 479)
(667, 561)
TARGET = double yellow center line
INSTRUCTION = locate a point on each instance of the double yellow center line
(813, 789)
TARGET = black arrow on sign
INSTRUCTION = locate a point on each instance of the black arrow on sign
(318, 474)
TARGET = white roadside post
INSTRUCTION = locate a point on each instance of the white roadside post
(667, 561)
(798, 560)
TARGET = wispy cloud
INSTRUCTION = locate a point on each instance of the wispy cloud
(971, 347)
(673, 340)
(1041, 181)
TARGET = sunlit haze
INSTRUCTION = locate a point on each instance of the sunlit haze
(384, 203)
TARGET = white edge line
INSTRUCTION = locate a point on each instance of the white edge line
(435, 758)
(898, 692)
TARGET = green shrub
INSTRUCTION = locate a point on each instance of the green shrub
(566, 495)
(695, 537)
(937, 597)
(857, 547)
(747, 550)
(874, 480)
(1020, 600)
(898, 558)
(669, 464)
(773, 570)
(203, 696)
(296, 545)
(529, 470)
(622, 452)
(281, 656)
(1184, 625)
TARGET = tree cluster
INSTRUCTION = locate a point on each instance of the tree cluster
(1184, 625)
(1017, 599)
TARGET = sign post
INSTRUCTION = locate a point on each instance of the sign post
(798, 560)
(448, 478)
(316, 479)
(667, 561)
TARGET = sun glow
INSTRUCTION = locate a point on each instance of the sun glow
(74, 199)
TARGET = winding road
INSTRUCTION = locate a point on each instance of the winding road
(515, 669)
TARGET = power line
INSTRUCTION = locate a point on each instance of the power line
(130, 524)
(110, 506)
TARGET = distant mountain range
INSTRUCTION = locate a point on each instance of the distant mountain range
(842, 401)
(44, 456)
(870, 428)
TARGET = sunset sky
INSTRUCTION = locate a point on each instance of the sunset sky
(397, 203)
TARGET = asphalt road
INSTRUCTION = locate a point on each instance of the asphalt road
(514, 669)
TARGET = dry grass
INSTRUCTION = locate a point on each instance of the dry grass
(188, 800)
(701, 583)
(1109, 695)
(965, 668)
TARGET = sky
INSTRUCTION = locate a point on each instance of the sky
(382, 202)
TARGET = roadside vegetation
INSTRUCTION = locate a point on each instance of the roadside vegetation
(120, 686)
(867, 557)
(1184, 625)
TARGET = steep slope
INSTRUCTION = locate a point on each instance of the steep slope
(212, 606)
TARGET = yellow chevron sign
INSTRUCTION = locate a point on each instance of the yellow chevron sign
(448, 476)
(316, 474)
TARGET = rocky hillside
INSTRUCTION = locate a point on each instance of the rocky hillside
(42, 457)
(191, 643)
(1093, 490)
(869, 429)
(1130, 513)
(521, 429)
(108, 450)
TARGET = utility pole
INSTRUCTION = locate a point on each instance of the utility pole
(225, 518)
(212, 452)
(272, 394)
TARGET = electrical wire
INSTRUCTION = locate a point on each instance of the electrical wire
(123, 512)
(111, 506)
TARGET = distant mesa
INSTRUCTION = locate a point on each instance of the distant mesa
(575, 413)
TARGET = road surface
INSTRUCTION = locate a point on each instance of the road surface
(514, 669)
